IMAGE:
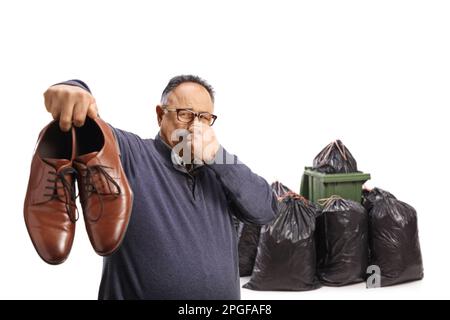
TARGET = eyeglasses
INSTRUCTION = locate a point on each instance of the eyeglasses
(187, 115)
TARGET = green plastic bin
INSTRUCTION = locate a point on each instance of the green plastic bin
(316, 185)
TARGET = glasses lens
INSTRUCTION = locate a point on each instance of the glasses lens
(185, 116)
(206, 118)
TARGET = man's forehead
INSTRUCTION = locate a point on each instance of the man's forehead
(190, 95)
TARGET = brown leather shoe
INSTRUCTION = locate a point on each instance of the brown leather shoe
(105, 195)
(49, 208)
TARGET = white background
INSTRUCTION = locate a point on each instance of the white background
(290, 77)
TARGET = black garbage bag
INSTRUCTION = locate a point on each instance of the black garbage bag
(342, 242)
(370, 196)
(249, 238)
(335, 158)
(279, 189)
(393, 238)
(286, 257)
(247, 248)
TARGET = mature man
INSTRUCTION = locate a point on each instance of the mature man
(181, 240)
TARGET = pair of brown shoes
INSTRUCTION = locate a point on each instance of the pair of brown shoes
(90, 156)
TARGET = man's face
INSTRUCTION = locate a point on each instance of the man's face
(188, 95)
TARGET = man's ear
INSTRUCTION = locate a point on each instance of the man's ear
(159, 114)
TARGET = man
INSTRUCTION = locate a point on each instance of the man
(181, 240)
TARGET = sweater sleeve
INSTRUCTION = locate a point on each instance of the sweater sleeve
(77, 83)
(249, 195)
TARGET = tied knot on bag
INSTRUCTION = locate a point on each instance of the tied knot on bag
(292, 195)
(325, 202)
(337, 144)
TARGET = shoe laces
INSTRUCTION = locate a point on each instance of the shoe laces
(90, 188)
(68, 191)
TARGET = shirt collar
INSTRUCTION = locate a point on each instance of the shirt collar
(166, 151)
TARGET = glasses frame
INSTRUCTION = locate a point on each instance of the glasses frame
(196, 114)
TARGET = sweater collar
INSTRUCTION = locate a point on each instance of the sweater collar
(165, 150)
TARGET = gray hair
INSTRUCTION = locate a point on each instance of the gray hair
(177, 80)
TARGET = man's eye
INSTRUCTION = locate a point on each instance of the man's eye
(185, 114)
(205, 116)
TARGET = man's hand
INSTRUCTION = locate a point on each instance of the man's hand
(202, 141)
(70, 104)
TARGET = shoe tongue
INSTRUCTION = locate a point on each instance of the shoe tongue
(56, 163)
(86, 157)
